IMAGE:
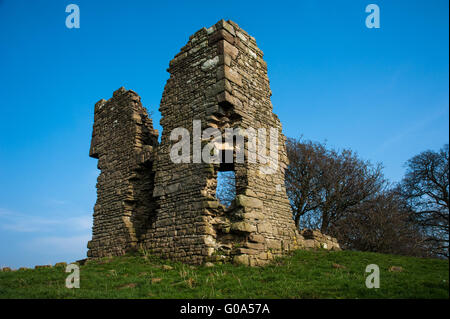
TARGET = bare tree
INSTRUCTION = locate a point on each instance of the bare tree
(426, 188)
(323, 185)
(349, 198)
(347, 182)
(382, 224)
(302, 178)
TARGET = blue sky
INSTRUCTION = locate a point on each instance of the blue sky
(381, 92)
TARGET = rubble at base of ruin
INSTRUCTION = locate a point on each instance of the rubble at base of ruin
(145, 200)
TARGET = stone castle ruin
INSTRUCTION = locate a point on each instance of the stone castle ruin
(146, 200)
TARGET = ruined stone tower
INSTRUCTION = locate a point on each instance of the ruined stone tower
(123, 141)
(146, 199)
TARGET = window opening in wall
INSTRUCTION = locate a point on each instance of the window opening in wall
(226, 187)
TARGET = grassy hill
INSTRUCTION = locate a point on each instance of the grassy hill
(304, 274)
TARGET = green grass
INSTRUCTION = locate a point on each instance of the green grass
(304, 274)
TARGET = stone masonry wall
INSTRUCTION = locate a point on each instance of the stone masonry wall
(220, 79)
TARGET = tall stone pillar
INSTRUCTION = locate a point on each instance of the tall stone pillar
(219, 79)
(123, 141)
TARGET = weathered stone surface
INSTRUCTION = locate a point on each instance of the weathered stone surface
(273, 244)
(265, 227)
(257, 246)
(257, 238)
(221, 34)
(42, 266)
(211, 63)
(241, 260)
(315, 239)
(243, 227)
(245, 201)
(226, 48)
(230, 74)
(395, 269)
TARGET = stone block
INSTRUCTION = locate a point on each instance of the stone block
(256, 238)
(246, 201)
(224, 47)
(221, 34)
(264, 228)
(241, 260)
(232, 75)
(243, 227)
